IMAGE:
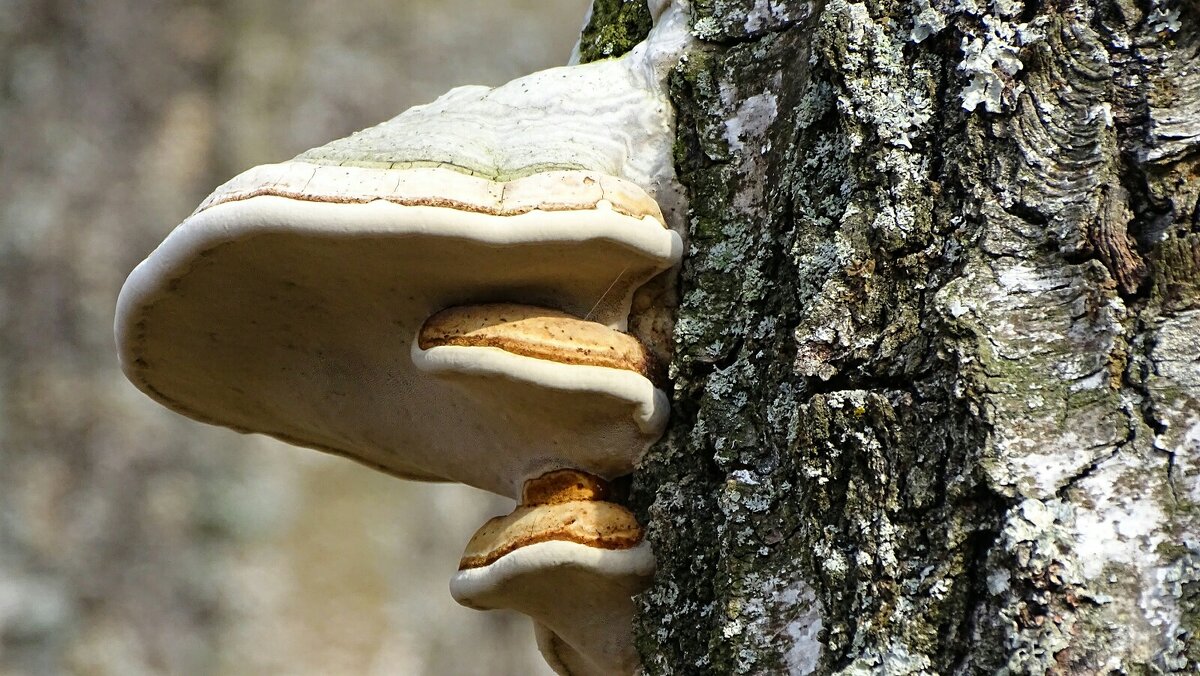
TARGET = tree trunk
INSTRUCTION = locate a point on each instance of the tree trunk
(937, 386)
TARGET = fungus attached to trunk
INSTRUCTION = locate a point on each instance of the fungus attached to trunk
(569, 560)
(296, 316)
(447, 297)
(386, 330)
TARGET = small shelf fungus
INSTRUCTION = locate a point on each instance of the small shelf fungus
(468, 292)
(569, 560)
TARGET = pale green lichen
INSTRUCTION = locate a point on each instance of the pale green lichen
(613, 29)
(908, 376)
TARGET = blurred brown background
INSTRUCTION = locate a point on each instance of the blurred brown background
(134, 541)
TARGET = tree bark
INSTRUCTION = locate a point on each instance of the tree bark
(937, 385)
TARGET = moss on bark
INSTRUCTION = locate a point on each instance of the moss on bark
(613, 29)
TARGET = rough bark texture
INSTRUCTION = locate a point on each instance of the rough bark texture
(937, 385)
(613, 28)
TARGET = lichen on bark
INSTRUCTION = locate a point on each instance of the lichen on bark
(614, 27)
(933, 408)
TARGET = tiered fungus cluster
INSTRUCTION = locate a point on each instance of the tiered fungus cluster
(445, 297)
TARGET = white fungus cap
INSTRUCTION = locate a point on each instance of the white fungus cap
(289, 302)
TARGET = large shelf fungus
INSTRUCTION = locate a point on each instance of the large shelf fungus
(464, 293)
(297, 317)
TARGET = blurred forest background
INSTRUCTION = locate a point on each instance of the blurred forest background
(132, 540)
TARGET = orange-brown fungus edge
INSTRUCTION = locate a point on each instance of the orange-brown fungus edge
(562, 499)
(564, 485)
(499, 325)
(620, 532)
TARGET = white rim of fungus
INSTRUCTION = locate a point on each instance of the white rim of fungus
(650, 404)
(637, 561)
(261, 215)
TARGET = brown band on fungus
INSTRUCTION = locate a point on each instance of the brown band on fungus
(563, 485)
(425, 185)
(604, 525)
(536, 332)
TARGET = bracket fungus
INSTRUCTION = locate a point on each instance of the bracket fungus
(457, 294)
(570, 560)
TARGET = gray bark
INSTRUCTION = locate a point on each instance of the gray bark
(937, 384)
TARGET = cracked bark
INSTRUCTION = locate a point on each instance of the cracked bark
(937, 385)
